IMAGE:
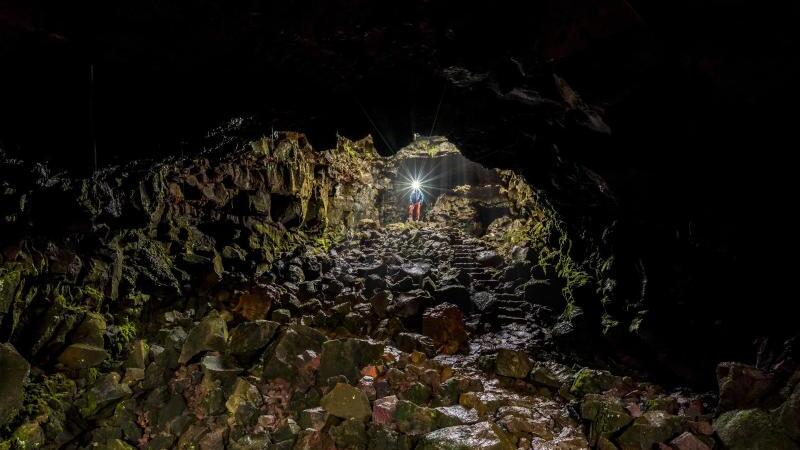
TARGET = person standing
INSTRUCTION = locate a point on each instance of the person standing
(415, 208)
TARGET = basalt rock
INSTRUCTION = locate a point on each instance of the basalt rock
(211, 334)
(444, 324)
(14, 370)
(347, 357)
(480, 436)
(346, 402)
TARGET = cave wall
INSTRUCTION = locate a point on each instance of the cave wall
(150, 235)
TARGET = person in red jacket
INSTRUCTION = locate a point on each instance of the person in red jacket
(415, 207)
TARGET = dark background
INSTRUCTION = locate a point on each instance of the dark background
(699, 96)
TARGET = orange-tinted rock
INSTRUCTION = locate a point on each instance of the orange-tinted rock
(444, 324)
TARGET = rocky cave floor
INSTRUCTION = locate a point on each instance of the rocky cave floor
(410, 336)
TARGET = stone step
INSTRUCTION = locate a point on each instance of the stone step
(514, 306)
(510, 319)
(479, 275)
(503, 311)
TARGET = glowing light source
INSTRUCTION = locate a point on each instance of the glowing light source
(416, 185)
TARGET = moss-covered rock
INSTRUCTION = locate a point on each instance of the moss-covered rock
(211, 334)
(14, 369)
(347, 402)
(752, 429)
(82, 356)
(382, 438)
(512, 363)
(350, 435)
(605, 415)
(480, 436)
(347, 357)
(105, 392)
(250, 337)
(413, 419)
(589, 381)
(651, 428)
(280, 356)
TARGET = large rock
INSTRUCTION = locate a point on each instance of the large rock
(347, 357)
(345, 401)
(104, 393)
(606, 415)
(351, 434)
(480, 436)
(513, 363)
(444, 324)
(752, 429)
(542, 292)
(211, 334)
(282, 355)
(455, 294)
(651, 428)
(250, 337)
(413, 419)
(742, 386)
(82, 356)
(382, 438)
(589, 381)
(688, 441)
(14, 370)
(90, 331)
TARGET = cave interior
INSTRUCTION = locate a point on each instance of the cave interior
(205, 238)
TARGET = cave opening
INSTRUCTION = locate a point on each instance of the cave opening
(457, 191)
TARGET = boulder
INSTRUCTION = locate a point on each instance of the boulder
(454, 293)
(106, 391)
(512, 363)
(742, 386)
(211, 334)
(542, 292)
(752, 429)
(280, 357)
(82, 356)
(345, 401)
(383, 410)
(250, 337)
(589, 381)
(219, 371)
(309, 439)
(480, 436)
(347, 357)
(410, 342)
(649, 429)
(138, 355)
(606, 415)
(483, 301)
(489, 258)
(381, 438)
(413, 419)
(444, 324)
(688, 441)
(380, 301)
(90, 331)
(314, 418)
(29, 435)
(521, 421)
(450, 416)
(351, 434)
(14, 369)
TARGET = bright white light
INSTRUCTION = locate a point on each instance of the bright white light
(416, 185)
